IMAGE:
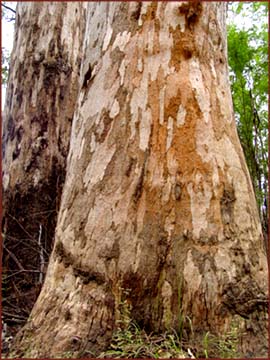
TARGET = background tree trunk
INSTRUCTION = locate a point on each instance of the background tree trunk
(42, 90)
(158, 206)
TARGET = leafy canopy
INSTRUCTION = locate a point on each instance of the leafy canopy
(248, 64)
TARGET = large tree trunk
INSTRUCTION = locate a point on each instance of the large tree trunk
(40, 101)
(157, 199)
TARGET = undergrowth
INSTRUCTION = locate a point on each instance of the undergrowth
(224, 346)
(136, 343)
(130, 341)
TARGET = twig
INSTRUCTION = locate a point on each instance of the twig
(20, 225)
(20, 321)
(5, 313)
(40, 213)
(8, 8)
(14, 258)
(31, 238)
(18, 272)
(41, 255)
(27, 243)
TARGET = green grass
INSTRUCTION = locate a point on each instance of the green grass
(224, 346)
(129, 341)
(136, 343)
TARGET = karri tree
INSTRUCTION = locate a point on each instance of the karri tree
(42, 89)
(157, 206)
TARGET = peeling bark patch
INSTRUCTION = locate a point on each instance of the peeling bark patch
(53, 68)
(192, 11)
(115, 109)
(121, 40)
(121, 71)
(244, 298)
(64, 256)
(41, 120)
(169, 133)
(101, 130)
(161, 105)
(166, 293)
(131, 163)
(107, 38)
(140, 65)
(112, 252)
(137, 12)
(87, 76)
(201, 93)
(200, 197)
(192, 274)
(67, 315)
(98, 164)
(145, 129)
(19, 134)
(227, 205)
(16, 153)
(11, 128)
(139, 186)
(177, 192)
(181, 115)
(86, 275)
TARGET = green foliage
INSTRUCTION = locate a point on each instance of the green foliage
(5, 65)
(136, 343)
(129, 341)
(248, 63)
(8, 15)
(224, 346)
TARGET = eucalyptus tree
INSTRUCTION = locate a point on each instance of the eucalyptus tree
(41, 94)
(157, 207)
(248, 61)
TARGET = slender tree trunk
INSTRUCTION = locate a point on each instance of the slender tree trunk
(42, 91)
(158, 204)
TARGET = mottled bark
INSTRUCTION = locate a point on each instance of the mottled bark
(42, 90)
(157, 198)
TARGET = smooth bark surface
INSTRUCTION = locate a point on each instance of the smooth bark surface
(157, 199)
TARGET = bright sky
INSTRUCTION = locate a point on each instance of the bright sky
(7, 35)
(7, 41)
